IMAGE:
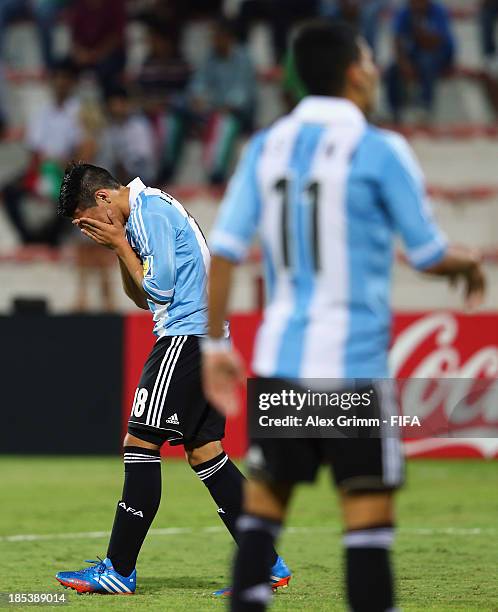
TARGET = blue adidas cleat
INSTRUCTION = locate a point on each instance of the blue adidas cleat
(99, 578)
(280, 575)
(279, 578)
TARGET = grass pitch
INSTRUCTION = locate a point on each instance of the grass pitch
(446, 551)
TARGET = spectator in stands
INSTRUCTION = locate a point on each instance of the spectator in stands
(488, 15)
(53, 136)
(363, 14)
(127, 142)
(281, 15)
(44, 13)
(161, 84)
(98, 39)
(10, 10)
(223, 97)
(91, 260)
(424, 50)
(177, 12)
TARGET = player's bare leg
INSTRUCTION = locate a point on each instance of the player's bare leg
(369, 531)
(366, 509)
(200, 453)
(266, 499)
(265, 508)
(131, 440)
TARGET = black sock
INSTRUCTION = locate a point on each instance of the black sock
(253, 561)
(369, 576)
(137, 508)
(225, 483)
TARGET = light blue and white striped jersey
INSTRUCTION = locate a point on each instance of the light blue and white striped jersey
(327, 193)
(175, 257)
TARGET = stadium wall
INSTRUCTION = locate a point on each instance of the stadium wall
(61, 384)
(68, 381)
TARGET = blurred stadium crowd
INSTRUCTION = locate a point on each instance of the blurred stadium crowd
(130, 85)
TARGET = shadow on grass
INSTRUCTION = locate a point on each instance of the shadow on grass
(149, 586)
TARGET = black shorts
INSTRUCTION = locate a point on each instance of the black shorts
(358, 464)
(169, 404)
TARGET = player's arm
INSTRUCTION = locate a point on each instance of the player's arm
(220, 283)
(404, 193)
(130, 288)
(142, 285)
(222, 369)
(463, 265)
(132, 274)
(232, 236)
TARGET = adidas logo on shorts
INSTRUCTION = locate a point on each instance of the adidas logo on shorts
(173, 419)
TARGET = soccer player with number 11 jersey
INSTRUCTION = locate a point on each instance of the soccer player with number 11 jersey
(326, 192)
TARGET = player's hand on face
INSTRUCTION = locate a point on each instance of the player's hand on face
(222, 373)
(110, 234)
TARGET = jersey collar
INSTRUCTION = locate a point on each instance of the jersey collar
(136, 187)
(323, 109)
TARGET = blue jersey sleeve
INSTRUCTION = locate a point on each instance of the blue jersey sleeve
(156, 240)
(404, 193)
(238, 218)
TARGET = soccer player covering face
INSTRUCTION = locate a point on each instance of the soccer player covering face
(327, 193)
(164, 261)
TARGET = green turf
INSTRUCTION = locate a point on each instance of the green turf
(441, 564)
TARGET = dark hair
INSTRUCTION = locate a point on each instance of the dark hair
(161, 27)
(116, 91)
(79, 185)
(65, 65)
(228, 26)
(322, 52)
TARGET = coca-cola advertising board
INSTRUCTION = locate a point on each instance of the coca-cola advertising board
(433, 347)
(439, 346)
